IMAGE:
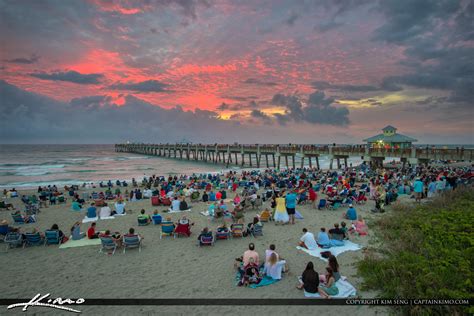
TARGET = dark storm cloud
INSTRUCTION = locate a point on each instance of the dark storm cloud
(22, 60)
(144, 86)
(257, 114)
(30, 117)
(317, 110)
(69, 76)
(240, 98)
(237, 106)
(292, 19)
(259, 82)
(386, 85)
(435, 34)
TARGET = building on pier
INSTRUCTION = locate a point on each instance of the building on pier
(390, 139)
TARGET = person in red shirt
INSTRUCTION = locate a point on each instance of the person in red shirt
(218, 196)
(313, 197)
(91, 233)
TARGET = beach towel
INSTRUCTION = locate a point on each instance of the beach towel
(348, 246)
(90, 219)
(108, 217)
(264, 282)
(298, 215)
(80, 243)
(120, 214)
(205, 213)
(345, 290)
(171, 211)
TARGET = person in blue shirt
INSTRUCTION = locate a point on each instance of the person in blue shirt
(92, 211)
(351, 213)
(291, 205)
(418, 189)
(323, 239)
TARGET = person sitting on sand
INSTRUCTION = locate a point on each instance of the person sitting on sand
(119, 207)
(251, 226)
(250, 253)
(183, 227)
(183, 205)
(345, 230)
(309, 280)
(334, 265)
(238, 213)
(271, 249)
(205, 197)
(62, 237)
(274, 267)
(359, 226)
(351, 213)
(144, 217)
(91, 233)
(250, 273)
(76, 206)
(336, 233)
(76, 233)
(323, 239)
(175, 204)
(105, 211)
(329, 288)
(307, 240)
(237, 199)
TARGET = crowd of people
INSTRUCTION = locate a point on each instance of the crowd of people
(275, 194)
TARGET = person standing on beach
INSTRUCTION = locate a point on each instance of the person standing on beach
(418, 188)
(291, 206)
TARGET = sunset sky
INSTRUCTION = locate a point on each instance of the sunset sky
(235, 71)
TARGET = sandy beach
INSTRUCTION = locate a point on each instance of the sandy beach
(171, 268)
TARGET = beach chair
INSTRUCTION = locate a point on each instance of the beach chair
(18, 219)
(167, 229)
(132, 242)
(335, 206)
(155, 200)
(166, 201)
(3, 232)
(51, 237)
(108, 244)
(237, 230)
(265, 216)
(142, 221)
(13, 239)
(33, 239)
(157, 219)
(222, 235)
(206, 240)
(322, 204)
(257, 230)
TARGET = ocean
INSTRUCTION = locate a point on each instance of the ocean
(29, 166)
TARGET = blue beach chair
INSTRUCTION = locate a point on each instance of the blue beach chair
(206, 241)
(108, 244)
(33, 239)
(257, 230)
(157, 219)
(167, 229)
(13, 239)
(18, 219)
(51, 237)
(132, 242)
(322, 204)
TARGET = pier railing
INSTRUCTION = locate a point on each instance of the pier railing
(230, 153)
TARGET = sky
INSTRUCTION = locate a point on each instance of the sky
(207, 71)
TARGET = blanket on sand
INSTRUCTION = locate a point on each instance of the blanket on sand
(345, 290)
(348, 246)
(80, 243)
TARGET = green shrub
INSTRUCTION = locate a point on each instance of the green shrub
(427, 252)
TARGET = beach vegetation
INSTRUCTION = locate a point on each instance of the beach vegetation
(424, 251)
